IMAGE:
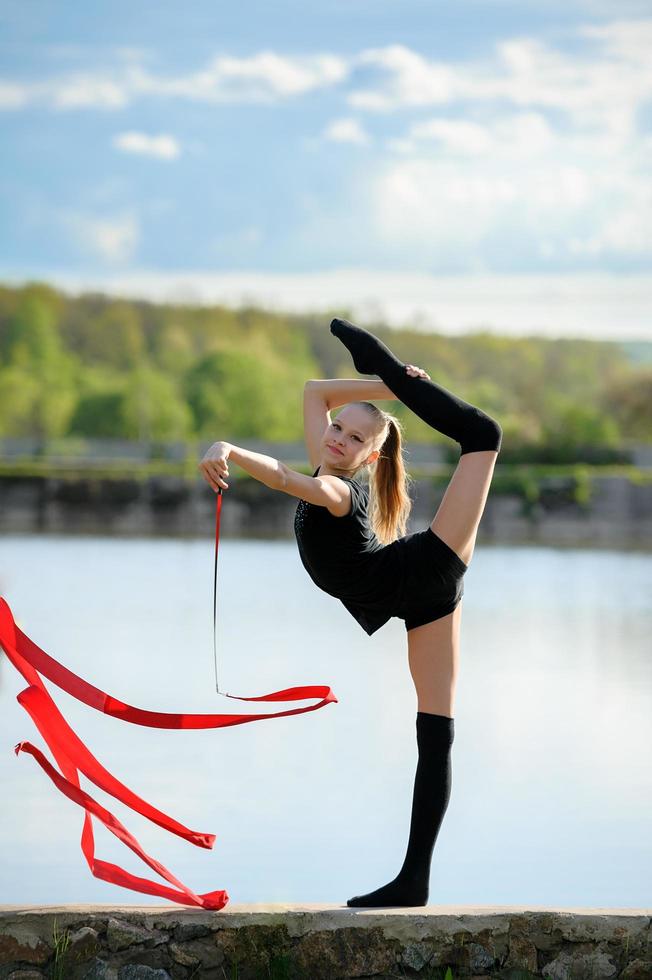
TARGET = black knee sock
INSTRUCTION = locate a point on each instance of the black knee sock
(470, 426)
(432, 790)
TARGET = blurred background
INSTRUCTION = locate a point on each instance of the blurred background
(188, 195)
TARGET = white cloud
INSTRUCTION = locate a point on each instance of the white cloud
(627, 230)
(423, 201)
(601, 85)
(75, 90)
(530, 147)
(573, 185)
(163, 147)
(438, 203)
(346, 131)
(13, 95)
(82, 91)
(264, 77)
(456, 135)
(112, 239)
(414, 81)
(524, 134)
(578, 194)
(625, 40)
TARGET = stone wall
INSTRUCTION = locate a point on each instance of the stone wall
(320, 942)
(618, 513)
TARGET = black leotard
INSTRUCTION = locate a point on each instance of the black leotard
(344, 558)
(417, 577)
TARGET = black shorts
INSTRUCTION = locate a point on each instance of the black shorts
(432, 579)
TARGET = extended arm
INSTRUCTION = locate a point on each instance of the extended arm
(326, 491)
(266, 469)
(339, 391)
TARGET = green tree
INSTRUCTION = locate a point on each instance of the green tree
(37, 360)
(19, 395)
(98, 415)
(175, 348)
(145, 404)
(568, 424)
(629, 401)
(31, 337)
(115, 337)
(233, 395)
(96, 365)
(153, 408)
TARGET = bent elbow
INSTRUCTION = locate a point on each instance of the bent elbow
(282, 476)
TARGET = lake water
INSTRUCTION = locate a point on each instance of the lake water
(552, 782)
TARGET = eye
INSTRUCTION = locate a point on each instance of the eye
(336, 425)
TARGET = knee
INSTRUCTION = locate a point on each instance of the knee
(485, 434)
(494, 433)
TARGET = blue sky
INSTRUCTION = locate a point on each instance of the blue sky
(453, 166)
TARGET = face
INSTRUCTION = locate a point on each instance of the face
(350, 433)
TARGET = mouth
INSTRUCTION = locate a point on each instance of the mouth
(334, 450)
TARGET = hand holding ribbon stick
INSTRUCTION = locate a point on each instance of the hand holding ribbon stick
(214, 465)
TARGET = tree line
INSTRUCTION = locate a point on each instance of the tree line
(97, 366)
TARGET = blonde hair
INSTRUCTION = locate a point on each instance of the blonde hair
(389, 501)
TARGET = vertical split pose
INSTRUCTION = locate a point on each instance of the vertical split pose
(361, 555)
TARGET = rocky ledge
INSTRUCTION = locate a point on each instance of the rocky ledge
(322, 942)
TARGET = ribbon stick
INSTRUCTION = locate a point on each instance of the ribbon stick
(73, 757)
(218, 511)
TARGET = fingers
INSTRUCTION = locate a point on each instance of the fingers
(214, 473)
(419, 372)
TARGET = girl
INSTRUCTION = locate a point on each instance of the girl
(361, 555)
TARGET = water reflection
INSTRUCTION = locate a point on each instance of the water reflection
(551, 777)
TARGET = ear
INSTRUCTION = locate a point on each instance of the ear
(373, 457)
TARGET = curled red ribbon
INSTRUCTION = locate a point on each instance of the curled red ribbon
(73, 757)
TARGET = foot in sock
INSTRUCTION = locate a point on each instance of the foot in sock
(439, 408)
(402, 891)
(365, 349)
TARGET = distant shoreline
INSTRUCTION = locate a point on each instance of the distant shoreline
(560, 506)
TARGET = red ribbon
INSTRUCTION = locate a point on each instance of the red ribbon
(73, 757)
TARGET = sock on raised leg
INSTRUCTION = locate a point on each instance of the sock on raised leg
(441, 409)
(432, 790)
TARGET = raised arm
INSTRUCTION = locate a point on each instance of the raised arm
(340, 391)
(320, 396)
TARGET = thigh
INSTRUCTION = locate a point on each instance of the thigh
(459, 513)
(432, 579)
(433, 655)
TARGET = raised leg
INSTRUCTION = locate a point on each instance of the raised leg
(462, 506)
(438, 407)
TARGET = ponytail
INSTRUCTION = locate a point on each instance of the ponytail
(390, 502)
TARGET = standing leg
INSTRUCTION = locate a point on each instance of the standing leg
(433, 651)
